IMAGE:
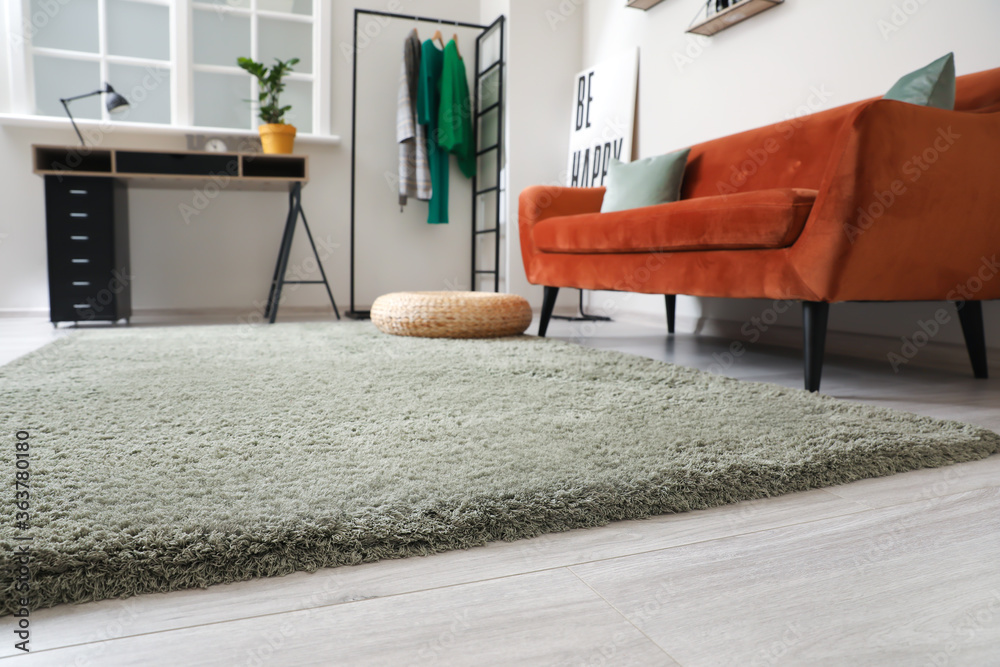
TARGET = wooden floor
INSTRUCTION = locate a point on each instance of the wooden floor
(903, 570)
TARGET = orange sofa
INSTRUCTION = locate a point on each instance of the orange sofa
(873, 201)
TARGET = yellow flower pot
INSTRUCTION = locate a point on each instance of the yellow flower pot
(277, 137)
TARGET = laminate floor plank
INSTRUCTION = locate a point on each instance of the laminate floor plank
(548, 618)
(922, 484)
(911, 584)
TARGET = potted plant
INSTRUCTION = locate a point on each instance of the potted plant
(275, 135)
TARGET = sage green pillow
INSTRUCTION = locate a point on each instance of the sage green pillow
(647, 182)
(930, 86)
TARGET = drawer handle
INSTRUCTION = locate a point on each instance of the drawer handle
(78, 192)
(81, 261)
(78, 215)
(80, 238)
(81, 283)
(81, 305)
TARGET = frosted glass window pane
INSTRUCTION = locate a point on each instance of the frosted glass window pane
(284, 40)
(299, 95)
(60, 77)
(139, 30)
(220, 38)
(147, 90)
(303, 7)
(64, 25)
(219, 100)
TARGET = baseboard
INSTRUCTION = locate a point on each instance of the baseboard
(24, 312)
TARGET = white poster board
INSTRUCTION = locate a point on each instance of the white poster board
(603, 119)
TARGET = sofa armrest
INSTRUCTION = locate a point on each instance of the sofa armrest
(541, 202)
(549, 201)
(909, 207)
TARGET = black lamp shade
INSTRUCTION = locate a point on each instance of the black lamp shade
(113, 101)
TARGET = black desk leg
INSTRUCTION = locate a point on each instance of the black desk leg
(305, 223)
(274, 296)
(279, 281)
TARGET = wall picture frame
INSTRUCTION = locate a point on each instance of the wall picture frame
(602, 124)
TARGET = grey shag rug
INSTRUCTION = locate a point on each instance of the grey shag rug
(171, 458)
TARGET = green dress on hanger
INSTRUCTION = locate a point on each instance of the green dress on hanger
(428, 106)
(455, 118)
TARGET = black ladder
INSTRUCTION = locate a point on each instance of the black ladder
(489, 91)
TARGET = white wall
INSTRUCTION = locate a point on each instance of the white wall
(225, 256)
(545, 51)
(798, 56)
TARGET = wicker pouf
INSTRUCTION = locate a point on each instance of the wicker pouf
(451, 314)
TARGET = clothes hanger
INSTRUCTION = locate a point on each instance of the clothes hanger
(454, 38)
(438, 37)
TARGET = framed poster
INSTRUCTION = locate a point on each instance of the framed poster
(603, 119)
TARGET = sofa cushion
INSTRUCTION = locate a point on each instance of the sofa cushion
(647, 182)
(930, 86)
(757, 219)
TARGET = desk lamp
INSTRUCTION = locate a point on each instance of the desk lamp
(114, 102)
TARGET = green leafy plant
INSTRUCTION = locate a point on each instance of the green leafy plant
(271, 86)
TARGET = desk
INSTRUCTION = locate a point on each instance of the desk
(86, 218)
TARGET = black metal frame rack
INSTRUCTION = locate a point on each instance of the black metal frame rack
(353, 312)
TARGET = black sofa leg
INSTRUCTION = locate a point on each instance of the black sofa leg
(548, 304)
(671, 300)
(970, 314)
(815, 315)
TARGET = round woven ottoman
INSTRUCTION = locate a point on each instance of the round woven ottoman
(451, 314)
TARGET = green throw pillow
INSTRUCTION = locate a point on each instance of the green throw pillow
(654, 180)
(930, 86)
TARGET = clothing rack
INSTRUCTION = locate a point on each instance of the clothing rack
(353, 312)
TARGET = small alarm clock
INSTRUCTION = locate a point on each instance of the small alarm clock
(216, 145)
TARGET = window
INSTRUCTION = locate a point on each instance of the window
(263, 30)
(174, 60)
(75, 46)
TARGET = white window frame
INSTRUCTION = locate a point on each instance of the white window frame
(181, 64)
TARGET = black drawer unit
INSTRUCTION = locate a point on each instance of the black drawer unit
(86, 221)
